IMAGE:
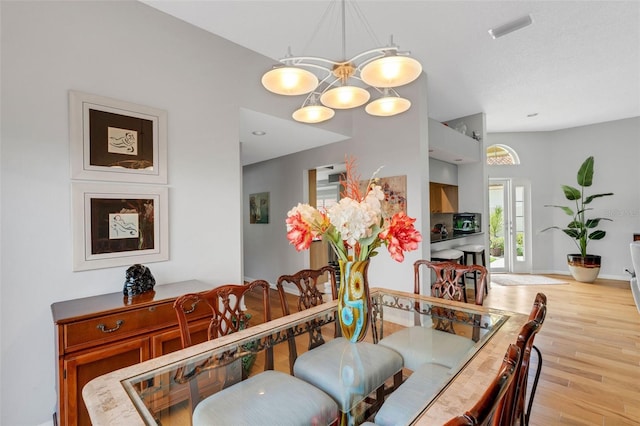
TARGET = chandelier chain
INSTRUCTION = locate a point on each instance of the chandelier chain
(321, 23)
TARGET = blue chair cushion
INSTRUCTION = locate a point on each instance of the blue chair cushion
(269, 398)
(406, 402)
(420, 345)
(347, 371)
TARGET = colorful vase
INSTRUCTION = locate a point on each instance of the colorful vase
(353, 300)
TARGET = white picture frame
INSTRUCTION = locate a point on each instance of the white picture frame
(113, 140)
(139, 214)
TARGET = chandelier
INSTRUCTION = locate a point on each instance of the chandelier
(331, 85)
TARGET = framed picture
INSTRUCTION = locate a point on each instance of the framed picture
(259, 208)
(116, 225)
(114, 140)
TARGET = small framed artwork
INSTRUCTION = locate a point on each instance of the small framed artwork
(113, 140)
(117, 225)
(259, 208)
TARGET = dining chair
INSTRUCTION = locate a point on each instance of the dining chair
(450, 276)
(347, 371)
(262, 398)
(436, 341)
(484, 409)
(305, 283)
(516, 409)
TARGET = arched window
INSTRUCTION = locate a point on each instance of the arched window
(502, 155)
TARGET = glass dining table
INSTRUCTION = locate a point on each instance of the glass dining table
(159, 391)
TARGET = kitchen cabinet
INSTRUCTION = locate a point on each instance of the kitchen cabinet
(100, 334)
(443, 198)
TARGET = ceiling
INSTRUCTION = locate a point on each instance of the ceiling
(578, 64)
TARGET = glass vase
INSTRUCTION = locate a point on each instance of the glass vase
(353, 300)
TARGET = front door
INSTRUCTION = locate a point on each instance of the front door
(509, 225)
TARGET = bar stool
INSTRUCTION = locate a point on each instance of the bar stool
(450, 255)
(474, 250)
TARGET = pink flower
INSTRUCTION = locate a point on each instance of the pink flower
(299, 232)
(400, 236)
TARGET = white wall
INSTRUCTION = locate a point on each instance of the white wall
(443, 172)
(129, 51)
(398, 143)
(551, 159)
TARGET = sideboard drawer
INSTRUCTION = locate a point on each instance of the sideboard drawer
(117, 326)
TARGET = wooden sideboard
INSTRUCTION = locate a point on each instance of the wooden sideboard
(100, 334)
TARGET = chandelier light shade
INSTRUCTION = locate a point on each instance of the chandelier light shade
(345, 97)
(346, 83)
(313, 114)
(391, 71)
(388, 105)
(290, 81)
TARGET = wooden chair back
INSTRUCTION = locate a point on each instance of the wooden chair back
(225, 303)
(485, 407)
(306, 282)
(449, 279)
(513, 410)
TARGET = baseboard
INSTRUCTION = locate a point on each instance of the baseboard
(603, 276)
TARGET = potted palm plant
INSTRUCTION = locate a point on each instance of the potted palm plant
(584, 267)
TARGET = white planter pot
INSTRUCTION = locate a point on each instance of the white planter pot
(584, 269)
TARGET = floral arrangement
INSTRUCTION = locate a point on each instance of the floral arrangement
(355, 226)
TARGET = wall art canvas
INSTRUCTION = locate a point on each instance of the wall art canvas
(259, 208)
(114, 140)
(117, 225)
(395, 194)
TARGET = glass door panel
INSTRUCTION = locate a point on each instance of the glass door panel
(521, 232)
(498, 206)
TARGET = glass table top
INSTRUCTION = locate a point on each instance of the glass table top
(162, 395)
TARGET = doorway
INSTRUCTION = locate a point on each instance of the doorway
(324, 192)
(509, 225)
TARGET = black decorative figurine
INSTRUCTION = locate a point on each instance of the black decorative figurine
(138, 280)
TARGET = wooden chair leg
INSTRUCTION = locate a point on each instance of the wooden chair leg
(525, 414)
(397, 379)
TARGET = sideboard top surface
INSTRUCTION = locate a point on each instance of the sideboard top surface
(87, 307)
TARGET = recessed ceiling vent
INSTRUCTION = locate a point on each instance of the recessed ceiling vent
(510, 27)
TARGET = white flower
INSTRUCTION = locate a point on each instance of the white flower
(353, 220)
(374, 196)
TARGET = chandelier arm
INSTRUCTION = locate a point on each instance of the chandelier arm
(299, 60)
(380, 51)
(311, 96)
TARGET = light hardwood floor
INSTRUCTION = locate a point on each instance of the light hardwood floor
(590, 343)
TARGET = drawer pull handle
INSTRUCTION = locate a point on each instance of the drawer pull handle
(193, 308)
(103, 328)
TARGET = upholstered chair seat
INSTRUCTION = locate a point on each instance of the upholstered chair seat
(422, 344)
(347, 371)
(270, 398)
(404, 405)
